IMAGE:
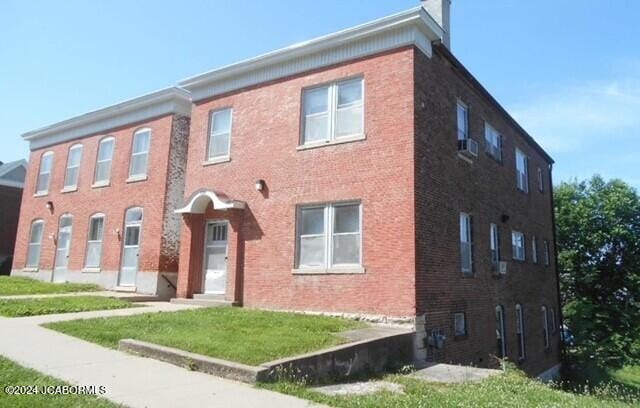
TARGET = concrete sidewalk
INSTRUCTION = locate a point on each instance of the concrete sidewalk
(108, 293)
(130, 380)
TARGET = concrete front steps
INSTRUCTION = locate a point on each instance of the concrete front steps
(206, 300)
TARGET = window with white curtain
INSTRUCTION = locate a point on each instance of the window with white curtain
(44, 175)
(35, 243)
(73, 167)
(94, 241)
(462, 120)
(220, 134)
(329, 236)
(522, 171)
(103, 162)
(333, 111)
(140, 153)
(466, 253)
(518, 245)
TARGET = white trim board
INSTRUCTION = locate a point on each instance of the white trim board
(412, 27)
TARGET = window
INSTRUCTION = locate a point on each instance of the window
(545, 327)
(73, 167)
(46, 164)
(534, 249)
(220, 134)
(522, 171)
(329, 236)
(552, 322)
(517, 242)
(462, 113)
(501, 349)
(35, 242)
(540, 180)
(94, 241)
(466, 252)
(547, 259)
(494, 241)
(493, 142)
(520, 332)
(103, 163)
(332, 112)
(140, 153)
(459, 325)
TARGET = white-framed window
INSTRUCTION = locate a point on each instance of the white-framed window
(522, 171)
(333, 111)
(466, 250)
(520, 332)
(140, 153)
(547, 256)
(459, 324)
(329, 236)
(501, 343)
(44, 175)
(540, 180)
(35, 243)
(73, 166)
(493, 141)
(518, 245)
(94, 241)
(545, 327)
(220, 134)
(462, 115)
(494, 244)
(534, 249)
(103, 161)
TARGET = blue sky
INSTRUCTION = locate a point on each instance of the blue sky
(569, 71)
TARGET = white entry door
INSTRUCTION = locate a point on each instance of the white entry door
(63, 247)
(215, 258)
(130, 247)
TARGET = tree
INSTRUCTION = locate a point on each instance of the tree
(598, 236)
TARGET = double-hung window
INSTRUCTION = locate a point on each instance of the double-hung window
(140, 154)
(466, 250)
(522, 171)
(220, 134)
(493, 142)
(546, 253)
(103, 163)
(333, 112)
(534, 249)
(73, 167)
(494, 241)
(94, 241)
(44, 175)
(329, 236)
(518, 245)
(520, 332)
(35, 243)
(462, 114)
(545, 327)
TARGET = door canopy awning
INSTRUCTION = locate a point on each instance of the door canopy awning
(200, 200)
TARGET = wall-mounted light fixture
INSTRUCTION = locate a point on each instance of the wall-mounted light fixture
(117, 231)
(259, 185)
(49, 206)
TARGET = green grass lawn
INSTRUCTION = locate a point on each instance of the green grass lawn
(512, 389)
(58, 304)
(241, 335)
(10, 285)
(13, 374)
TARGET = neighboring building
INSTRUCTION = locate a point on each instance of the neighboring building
(365, 172)
(11, 183)
(100, 196)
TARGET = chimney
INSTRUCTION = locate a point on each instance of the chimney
(440, 10)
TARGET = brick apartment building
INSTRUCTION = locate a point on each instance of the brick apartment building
(11, 182)
(364, 172)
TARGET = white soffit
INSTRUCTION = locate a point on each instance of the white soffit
(412, 27)
(153, 105)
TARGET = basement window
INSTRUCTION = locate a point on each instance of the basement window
(459, 325)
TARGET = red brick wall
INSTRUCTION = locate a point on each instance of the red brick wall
(112, 200)
(447, 185)
(377, 171)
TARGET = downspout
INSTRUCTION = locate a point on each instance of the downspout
(555, 255)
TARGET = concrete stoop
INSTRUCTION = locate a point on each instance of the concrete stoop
(390, 347)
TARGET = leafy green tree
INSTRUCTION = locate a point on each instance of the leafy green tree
(598, 227)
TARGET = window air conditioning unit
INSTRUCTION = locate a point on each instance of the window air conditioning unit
(468, 147)
(502, 267)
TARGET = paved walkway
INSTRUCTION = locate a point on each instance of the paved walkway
(448, 373)
(109, 293)
(130, 380)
